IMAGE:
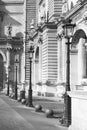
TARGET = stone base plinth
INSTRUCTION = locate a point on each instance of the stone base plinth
(79, 110)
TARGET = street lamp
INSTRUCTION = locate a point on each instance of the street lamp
(16, 92)
(68, 32)
(31, 51)
(8, 81)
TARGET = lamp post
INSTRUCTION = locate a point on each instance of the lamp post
(16, 92)
(31, 51)
(8, 81)
(68, 31)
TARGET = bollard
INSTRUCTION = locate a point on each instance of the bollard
(19, 99)
(38, 108)
(22, 94)
(49, 113)
(23, 101)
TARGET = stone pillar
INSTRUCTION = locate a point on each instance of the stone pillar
(59, 61)
(8, 60)
(33, 77)
(7, 68)
(79, 110)
(40, 62)
(81, 60)
(33, 73)
(64, 59)
(22, 68)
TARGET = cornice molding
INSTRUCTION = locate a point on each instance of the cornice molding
(74, 14)
(50, 25)
(37, 31)
(15, 40)
(75, 9)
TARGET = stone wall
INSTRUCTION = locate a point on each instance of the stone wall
(79, 110)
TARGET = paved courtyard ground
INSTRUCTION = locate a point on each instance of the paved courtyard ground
(15, 116)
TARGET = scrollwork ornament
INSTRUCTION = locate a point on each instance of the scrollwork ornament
(60, 35)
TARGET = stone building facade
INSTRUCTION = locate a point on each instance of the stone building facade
(78, 47)
(29, 16)
(49, 62)
(11, 41)
(45, 56)
(78, 62)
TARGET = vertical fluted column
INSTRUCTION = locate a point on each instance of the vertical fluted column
(81, 60)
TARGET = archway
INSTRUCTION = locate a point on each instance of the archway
(78, 57)
(77, 35)
(1, 72)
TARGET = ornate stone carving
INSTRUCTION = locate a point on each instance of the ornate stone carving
(40, 40)
(84, 14)
(60, 33)
(65, 7)
(9, 30)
